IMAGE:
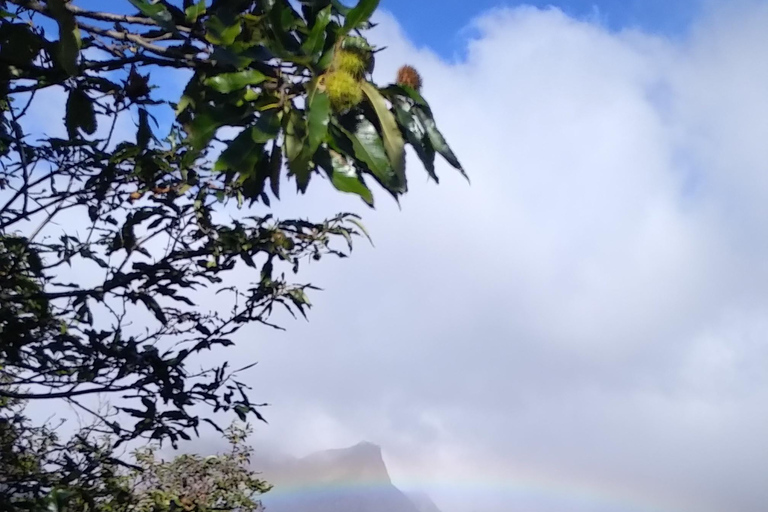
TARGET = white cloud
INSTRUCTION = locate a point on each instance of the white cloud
(592, 308)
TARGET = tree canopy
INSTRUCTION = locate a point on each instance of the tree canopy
(107, 242)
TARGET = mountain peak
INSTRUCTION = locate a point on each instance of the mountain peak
(361, 462)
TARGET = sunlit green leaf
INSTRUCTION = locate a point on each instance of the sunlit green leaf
(158, 12)
(228, 82)
(344, 177)
(220, 33)
(194, 11)
(360, 13)
(393, 140)
(416, 135)
(316, 40)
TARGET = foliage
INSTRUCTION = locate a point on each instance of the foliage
(110, 244)
(202, 484)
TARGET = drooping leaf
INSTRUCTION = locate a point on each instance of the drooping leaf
(204, 125)
(267, 127)
(296, 149)
(416, 135)
(241, 154)
(69, 36)
(158, 12)
(228, 82)
(154, 307)
(144, 133)
(343, 175)
(317, 121)
(79, 113)
(393, 140)
(316, 39)
(275, 165)
(369, 148)
(437, 139)
(360, 14)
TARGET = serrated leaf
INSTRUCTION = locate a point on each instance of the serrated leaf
(69, 36)
(344, 177)
(436, 138)
(393, 140)
(416, 136)
(369, 149)
(228, 82)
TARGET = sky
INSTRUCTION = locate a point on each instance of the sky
(583, 327)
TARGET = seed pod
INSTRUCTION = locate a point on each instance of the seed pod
(343, 90)
(407, 75)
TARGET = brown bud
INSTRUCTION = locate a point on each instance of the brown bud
(407, 75)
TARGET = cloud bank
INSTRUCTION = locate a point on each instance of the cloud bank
(585, 325)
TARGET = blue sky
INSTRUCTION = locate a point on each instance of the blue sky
(440, 24)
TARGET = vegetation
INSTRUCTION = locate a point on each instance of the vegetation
(110, 243)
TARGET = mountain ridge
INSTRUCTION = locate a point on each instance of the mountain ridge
(352, 479)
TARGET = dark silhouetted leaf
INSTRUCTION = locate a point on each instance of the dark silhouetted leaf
(437, 139)
(69, 36)
(79, 113)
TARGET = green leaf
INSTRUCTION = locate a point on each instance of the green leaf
(220, 33)
(79, 113)
(194, 11)
(360, 14)
(393, 139)
(343, 9)
(267, 127)
(158, 12)
(228, 82)
(317, 121)
(316, 40)
(241, 155)
(437, 139)
(344, 176)
(204, 126)
(369, 149)
(69, 36)
(416, 135)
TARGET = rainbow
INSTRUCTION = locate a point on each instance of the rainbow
(511, 489)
